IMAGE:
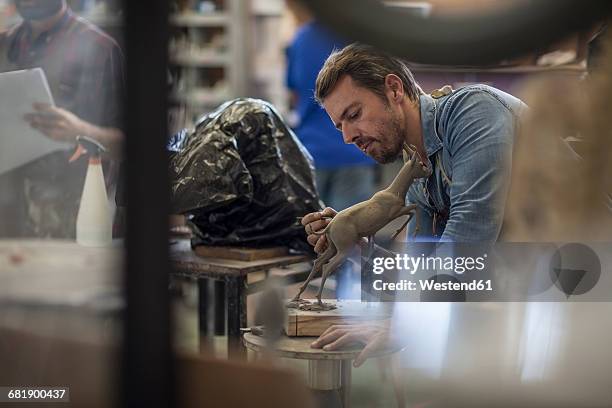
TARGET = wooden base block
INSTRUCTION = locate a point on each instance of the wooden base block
(302, 323)
(240, 253)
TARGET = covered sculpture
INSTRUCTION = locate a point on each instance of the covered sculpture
(243, 177)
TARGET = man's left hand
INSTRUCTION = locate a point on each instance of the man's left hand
(375, 337)
(56, 123)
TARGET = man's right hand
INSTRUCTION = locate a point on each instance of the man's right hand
(316, 221)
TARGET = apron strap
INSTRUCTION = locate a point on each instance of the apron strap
(437, 215)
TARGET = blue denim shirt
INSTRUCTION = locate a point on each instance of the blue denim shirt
(468, 136)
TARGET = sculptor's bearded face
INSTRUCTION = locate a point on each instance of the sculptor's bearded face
(38, 9)
(365, 120)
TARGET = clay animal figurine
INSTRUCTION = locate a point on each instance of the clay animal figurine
(364, 219)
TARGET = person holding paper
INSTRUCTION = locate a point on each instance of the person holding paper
(85, 71)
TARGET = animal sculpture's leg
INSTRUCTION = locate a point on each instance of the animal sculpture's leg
(396, 233)
(417, 222)
(407, 210)
(330, 267)
(316, 267)
(368, 252)
(370, 247)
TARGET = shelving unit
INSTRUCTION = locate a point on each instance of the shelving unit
(193, 19)
(202, 59)
(208, 52)
(271, 30)
(200, 97)
(209, 57)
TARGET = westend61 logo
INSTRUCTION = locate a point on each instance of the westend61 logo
(412, 264)
(507, 272)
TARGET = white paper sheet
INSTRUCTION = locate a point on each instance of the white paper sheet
(19, 143)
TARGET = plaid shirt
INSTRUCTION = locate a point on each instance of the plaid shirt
(85, 71)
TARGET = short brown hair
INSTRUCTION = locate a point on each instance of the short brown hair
(368, 67)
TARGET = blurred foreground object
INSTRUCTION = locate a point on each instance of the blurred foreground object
(60, 302)
(562, 176)
(61, 326)
(85, 70)
(91, 371)
(459, 39)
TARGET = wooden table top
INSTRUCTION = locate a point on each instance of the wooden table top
(187, 263)
(57, 272)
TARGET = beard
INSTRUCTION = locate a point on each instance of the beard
(393, 134)
(39, 10)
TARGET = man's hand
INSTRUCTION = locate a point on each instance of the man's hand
(56, 123)
(316, 221)
(375, 336)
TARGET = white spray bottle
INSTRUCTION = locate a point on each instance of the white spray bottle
(94, 225)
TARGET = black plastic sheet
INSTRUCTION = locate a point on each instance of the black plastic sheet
(243, 177)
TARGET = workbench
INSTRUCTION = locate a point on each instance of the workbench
(230, 284)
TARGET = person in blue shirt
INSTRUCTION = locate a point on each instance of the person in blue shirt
(344, 175)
